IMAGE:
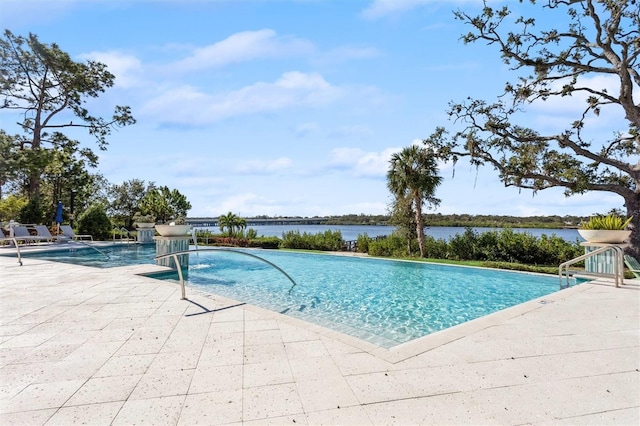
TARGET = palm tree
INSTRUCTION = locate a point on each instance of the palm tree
(414, 174)
(232, 222)
(227, 221)
(241, 224)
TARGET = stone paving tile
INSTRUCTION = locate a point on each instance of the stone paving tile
(24, 418)
(156, 384)
(347, 416)
(312, 368)
(221, 355)
(79, 344)
(93, 414)
(175, 361)
(212, 408)
(314, 395)
(104, 389)
(40, 396)
(125, 365)
(278, 421)
(152, 411)
(266, 373)
(305, 350)
(269, 352)
(216, 378)
(262, 402)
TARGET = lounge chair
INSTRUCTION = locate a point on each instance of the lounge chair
(22, 233)
(4, 239)
(44, 232)
(67, 231)
(633, 265)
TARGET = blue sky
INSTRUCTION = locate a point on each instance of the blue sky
(289, 107)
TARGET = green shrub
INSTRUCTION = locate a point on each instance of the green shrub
(362, 243)
(463, 246)
(265, 242)
(325, 241)
(393, 245)
(435, 249)
(500, 247)
(94, 221)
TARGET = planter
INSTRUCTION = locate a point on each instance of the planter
(145, 224)
(173, 230)
(604, 235)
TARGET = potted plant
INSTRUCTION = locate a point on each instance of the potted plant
(609, 229)
(176, 228)
(144, 220)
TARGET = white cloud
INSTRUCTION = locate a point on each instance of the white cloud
(127, 69)
(558, 112)
(246, 205)
(264, 167)
(352, 132)
(291, 90)
(242, 47)
(346, 53)
(383, 8)
(305, 129)
(361, 163)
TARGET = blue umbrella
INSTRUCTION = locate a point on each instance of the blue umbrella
(59, 213)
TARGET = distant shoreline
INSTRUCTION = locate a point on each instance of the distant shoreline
(431, 220)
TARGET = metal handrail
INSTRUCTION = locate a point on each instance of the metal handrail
(15, 243)
(617, 271)
(183, 252)
(121, 230)
(90, 246)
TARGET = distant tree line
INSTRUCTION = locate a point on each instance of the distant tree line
(465, 220)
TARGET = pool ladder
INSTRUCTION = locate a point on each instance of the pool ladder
(123, 232)
(618, 268)
(187, 252)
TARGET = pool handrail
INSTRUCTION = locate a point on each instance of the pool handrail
(15, 243)
(90, 246)
(175, 255)
(618, 269)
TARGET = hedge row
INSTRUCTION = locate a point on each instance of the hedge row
(503, 245)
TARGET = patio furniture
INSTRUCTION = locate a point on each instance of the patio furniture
(633, 265)
(22, 233)
(68, 232)
(44, 232)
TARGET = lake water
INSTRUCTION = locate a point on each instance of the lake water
(351, 232)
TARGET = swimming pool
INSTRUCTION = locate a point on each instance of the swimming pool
(102, 257)
(386, 302)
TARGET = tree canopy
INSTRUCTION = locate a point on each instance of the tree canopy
(48, 92)
(593, 62)
(164, 203)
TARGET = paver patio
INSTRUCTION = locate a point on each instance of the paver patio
(80, 345)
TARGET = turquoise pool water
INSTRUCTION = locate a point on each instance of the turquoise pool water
(385, 302)
(106, 257)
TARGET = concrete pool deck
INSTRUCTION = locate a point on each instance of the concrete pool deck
(81, 345)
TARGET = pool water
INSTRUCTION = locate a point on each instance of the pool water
(103, 257)
(386, 302)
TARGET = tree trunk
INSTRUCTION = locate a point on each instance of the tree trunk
(633, 209)
(419, 224)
